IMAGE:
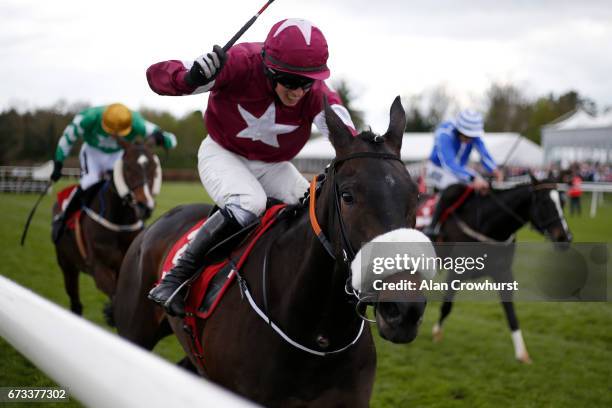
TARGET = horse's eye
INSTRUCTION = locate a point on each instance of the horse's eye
(347, 198)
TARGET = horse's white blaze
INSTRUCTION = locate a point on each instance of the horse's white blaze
(554, 196)
(119, 180)
(149, 197)
(419, 244)
(142, 160)
(520, 350)
(158, 176)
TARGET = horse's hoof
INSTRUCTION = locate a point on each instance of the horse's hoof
(524, 359)
(436, 333)
(77, 309)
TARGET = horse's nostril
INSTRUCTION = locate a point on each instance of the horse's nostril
(391, 312)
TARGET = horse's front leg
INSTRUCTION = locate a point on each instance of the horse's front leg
(520, 350)
(71, 283)
(105, 278)
(504, 275)
(445, 309)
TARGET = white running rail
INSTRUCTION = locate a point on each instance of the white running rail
(97, 367)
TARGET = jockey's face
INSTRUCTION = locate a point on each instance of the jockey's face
(289, 97)
(464, 138)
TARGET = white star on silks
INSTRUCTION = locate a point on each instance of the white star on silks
(264, 129)
(305, 27)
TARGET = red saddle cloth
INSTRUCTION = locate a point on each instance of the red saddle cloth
(425, 211)
(426, 208)
(63, 198)
(200, 285)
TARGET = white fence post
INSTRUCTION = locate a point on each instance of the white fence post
(594, 202)
(97, 367)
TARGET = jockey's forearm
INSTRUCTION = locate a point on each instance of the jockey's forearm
(168, 78)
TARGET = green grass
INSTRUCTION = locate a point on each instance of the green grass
(570, 343)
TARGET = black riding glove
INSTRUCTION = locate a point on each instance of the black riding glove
(57, 170)
(158, 136)
(206, 67)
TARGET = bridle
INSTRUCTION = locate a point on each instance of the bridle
(125, 192)
(347, 250)
(540, 226)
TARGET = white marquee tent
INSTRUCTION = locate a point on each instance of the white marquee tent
(416, 147)
(578, 136)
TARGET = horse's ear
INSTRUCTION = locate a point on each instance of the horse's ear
(397, 124)
(339, 134)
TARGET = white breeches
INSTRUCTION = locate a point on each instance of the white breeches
(439, 177)
(242, 186)
(94, 163)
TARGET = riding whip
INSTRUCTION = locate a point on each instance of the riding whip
(245, 27)
(40, 197)
(514, 146)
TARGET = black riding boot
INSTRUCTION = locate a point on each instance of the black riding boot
(217, 228)
(59, 221)
(447, 198)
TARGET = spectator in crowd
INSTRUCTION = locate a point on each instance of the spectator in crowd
(575, 193)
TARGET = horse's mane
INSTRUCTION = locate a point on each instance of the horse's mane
(521, 185)
(371, 137)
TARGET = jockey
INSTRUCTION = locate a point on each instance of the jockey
(447, 169)
(98, 127)
(262, 103)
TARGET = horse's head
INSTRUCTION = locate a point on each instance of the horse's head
(137, 177)
(372, 198)
(546, 212)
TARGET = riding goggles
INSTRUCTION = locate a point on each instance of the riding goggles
(290, 81)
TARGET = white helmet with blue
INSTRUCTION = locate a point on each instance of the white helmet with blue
(470, 123)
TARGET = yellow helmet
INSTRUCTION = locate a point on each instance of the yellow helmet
(117, 119)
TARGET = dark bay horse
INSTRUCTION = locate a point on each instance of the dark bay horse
(495, 218)
(111, 221)
(328, 358)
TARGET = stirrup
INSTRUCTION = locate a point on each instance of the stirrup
(166, 305)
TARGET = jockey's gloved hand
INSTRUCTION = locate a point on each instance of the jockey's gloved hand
(479, 184)
(207, 66)
(57, 170)
(158, 136)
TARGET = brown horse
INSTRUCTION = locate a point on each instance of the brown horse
(110, 222)
(311, 348)
(495, 218)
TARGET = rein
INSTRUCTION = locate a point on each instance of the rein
(539, 226)
(99, 218)
(244, 290)
(138, 225)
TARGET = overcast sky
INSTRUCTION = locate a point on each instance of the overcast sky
(97, 52)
